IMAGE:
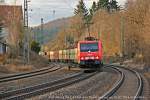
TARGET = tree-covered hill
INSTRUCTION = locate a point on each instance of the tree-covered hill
(122, 31)
(50, 30)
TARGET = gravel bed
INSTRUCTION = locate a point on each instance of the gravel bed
(129, 88)
(7, 73)
(7, 86)
(89, 89)
(2, 74)
(145, 75)
(146, 92)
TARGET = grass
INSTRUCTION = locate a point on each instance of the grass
(15, 65)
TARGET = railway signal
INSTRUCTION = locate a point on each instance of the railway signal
(26, 51)
(42, 32)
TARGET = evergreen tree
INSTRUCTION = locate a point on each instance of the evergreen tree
(82, 11)
(102, 4)
(114, 5)
(94, 8)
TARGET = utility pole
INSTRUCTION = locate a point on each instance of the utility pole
(122, 36)
(2, 1)
(42, 26)
(26, 50)
(88, 27)
(54, 14)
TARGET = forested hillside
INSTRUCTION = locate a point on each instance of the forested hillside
(50, 29)
(122, 30)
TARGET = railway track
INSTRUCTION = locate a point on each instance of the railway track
(45, 87)
(118, 90)
(28, 74)
(84, 90)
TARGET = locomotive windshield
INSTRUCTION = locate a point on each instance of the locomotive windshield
(88, 47)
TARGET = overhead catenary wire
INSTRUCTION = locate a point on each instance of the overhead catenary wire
(47, 8)
(68, 4)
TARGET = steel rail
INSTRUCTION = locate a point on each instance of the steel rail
(31, 88)
(48, 87)
(140, 83)
(120, 82)
(28, 74)
(116, 85)
(24, 73)
(140, 88)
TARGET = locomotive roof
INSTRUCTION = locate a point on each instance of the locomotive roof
(88, 41)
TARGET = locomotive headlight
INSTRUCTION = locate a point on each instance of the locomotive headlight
(82, 58)
(96, 57)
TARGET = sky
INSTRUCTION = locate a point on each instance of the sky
(51, 9)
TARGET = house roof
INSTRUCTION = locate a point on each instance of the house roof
(8, 12)
(11, 18)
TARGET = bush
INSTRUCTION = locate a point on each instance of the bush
(35, 46)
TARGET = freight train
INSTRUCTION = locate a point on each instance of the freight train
(87, 53)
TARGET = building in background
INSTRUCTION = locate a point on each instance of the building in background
(3, 44)
(11, 20)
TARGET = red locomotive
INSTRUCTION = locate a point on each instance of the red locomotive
(88, 52)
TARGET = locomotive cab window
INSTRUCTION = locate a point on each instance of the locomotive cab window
(88, 47)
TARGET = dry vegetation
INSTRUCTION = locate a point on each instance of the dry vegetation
(17, 64)
(133, 21)
(12, 20)
(74, 29)
(109, 27)
(137, 30)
